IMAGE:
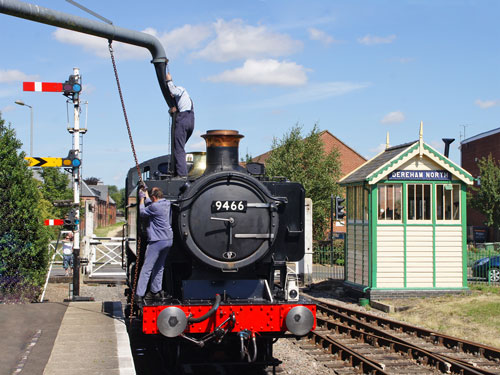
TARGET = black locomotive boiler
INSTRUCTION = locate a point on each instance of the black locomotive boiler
(234, 232)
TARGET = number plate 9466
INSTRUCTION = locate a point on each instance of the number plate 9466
(229, 206)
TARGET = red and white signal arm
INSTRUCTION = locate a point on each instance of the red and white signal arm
(43, 86)
(54, 222)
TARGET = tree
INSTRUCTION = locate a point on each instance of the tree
(487, 196)
(117, 195)
(304, 160)
(23, 238)
(55, 187)
(247, 159)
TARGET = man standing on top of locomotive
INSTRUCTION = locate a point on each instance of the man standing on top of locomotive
(160, 237)
(184, 124)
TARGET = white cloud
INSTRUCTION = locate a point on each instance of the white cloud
(97, 46)
(183, 38)
(372, 39)
(200, 145)
(175, 42)
(236, 40)
(196, 143)
(7, 76)
(264, 72)
(312, 93)
(7, 108)
(315, 34)
(378, 149)
(393, 118)
(485, 104)
(405, 60)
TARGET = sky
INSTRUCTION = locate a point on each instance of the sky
(358, 69)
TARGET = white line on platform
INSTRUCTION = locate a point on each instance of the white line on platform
(124, 352)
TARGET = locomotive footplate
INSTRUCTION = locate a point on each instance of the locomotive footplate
(260, 318)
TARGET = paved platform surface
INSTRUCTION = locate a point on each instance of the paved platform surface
(64, 338)
(92, 339)
(19, 324)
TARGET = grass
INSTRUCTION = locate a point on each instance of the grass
(474, 316)
(104, 231)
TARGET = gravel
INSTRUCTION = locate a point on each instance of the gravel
(57, 292)
(297, 361)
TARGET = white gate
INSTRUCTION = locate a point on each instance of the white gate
(105, 257)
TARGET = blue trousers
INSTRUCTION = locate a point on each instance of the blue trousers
(184, 126)
(154, 264)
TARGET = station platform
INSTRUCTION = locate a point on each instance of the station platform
(92, 339)
(73, 338)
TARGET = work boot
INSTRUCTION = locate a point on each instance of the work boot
(150, 296)
(161, 296)
(139, 301)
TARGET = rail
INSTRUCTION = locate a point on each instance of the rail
(444, 353)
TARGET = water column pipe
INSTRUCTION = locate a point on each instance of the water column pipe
(111, 32)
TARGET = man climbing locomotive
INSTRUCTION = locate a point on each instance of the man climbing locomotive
(156, 210)
(183, 115)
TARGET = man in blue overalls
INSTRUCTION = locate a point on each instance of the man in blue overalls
(184, 125)
(160, 237)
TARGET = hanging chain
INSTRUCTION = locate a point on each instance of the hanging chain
(169, 147)
(141, 181)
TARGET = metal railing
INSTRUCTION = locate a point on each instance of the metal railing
(328, 263)
(483, 264)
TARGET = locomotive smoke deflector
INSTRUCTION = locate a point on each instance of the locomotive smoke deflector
(110, 32)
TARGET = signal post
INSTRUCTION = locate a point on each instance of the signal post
(71, 89)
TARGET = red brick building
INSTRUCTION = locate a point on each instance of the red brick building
(349, 158)
(472, 150)
(103, 206)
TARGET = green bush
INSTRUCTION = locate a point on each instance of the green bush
(23, 238)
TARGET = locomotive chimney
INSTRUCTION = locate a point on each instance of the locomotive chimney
(447, 142)
(222, 150)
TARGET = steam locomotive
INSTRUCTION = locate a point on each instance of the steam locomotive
(234, 232)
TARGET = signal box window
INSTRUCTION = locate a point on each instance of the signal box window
(419, 202)
(357, 207)
(448, 202)
(389, 202)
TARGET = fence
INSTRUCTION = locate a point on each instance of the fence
(483, 264)
(105, 256)
(328, 263)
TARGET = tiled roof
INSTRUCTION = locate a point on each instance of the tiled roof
(378, 161)
(481, 135)
(86, 191)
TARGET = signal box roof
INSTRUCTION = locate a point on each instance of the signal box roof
(392, 158)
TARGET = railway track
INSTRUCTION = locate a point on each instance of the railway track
(351, 341)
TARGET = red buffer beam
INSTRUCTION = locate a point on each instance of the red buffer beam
(43, 86)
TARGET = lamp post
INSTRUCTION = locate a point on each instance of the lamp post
(20, 102)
